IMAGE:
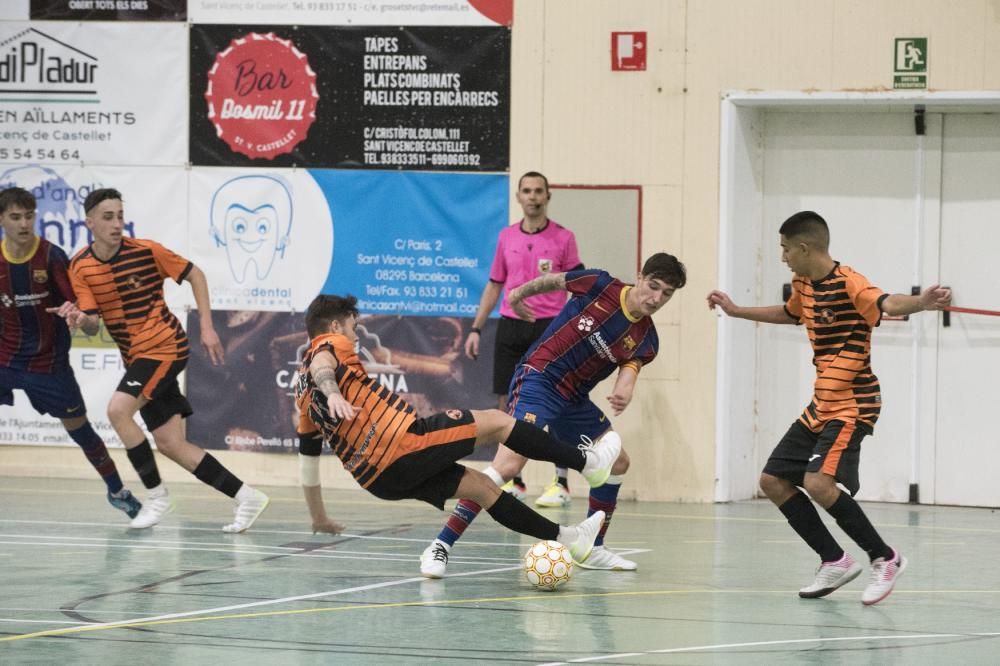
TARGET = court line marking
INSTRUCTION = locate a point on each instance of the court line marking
(201, 615)
(790, 641)
(19, 621)
(216, 530)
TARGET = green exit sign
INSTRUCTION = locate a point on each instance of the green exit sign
(909, 63)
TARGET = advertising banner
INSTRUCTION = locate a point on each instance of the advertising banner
(353, 12)
(421, 98)
(109, 10)
(153, 201)
(247, 403)
(97, 93)
(403, 243)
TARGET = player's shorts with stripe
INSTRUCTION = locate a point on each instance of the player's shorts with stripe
(57, 394)
(156, 381)
(835, 450)
(514, 339)
(534, 400)
(429, 471)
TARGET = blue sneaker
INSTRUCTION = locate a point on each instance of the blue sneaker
(125, 501)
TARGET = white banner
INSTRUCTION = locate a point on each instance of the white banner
(155, 207)
(353, 12)
(97, 93)
(263, 237)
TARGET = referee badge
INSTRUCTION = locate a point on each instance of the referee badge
(544, 265)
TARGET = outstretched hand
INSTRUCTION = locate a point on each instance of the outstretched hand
(327, 526)
(935, 297)
(722, 300)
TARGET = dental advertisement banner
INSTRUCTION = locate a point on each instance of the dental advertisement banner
(350, 97)
(153, 201)
(415, 244)
(109, 10)
(353, 12)
(247, 403)
(94, 93)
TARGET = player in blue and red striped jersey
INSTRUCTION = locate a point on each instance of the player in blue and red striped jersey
(606, 325)
(34, 345)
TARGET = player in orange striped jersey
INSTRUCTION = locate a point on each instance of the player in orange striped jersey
(121, 280)
(839, 309)
(396, 455)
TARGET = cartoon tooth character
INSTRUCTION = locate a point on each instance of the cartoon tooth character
(252, 218)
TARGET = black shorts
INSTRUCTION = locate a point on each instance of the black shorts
(835, 450)
(431, 473)
(514, 338)
(156, 381)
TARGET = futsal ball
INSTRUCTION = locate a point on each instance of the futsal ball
(547, 565)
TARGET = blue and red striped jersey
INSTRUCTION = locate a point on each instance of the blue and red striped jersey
(592, 336)
(32, 339)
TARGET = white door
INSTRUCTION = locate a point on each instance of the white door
(967, 455)
(862, 173)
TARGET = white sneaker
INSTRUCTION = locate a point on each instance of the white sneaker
(884, 575)
(586, 535)
(606, 560)
(156, 506)
(832, 575)
(434, 559)
(247, 511)
(601, 455)
(555, 496)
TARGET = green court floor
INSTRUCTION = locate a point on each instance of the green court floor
(716, 585)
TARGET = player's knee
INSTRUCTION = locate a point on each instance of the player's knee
(771, 485)
(821, 488)
(119, 413)
(621, 464)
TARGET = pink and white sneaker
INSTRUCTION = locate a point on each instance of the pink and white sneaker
(832, 575)
(884, 575)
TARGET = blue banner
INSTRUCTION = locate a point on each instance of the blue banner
(414, 244)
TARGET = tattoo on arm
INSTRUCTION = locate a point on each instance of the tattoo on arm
(326, 381)
(544, 284)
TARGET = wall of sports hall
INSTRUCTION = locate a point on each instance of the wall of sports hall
(747, 111)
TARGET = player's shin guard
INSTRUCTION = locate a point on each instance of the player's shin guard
(536, 444)
(516, 516)
(459, 520)
(805, 520)
(211, 472)
(97, 453)
(856, 525)
(605, 498)
(144, 464)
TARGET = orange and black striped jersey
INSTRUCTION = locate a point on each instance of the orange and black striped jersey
(839, 313)
(377, 436)
(127, 291)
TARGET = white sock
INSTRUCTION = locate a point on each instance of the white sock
(494, 475)
(158, 491)
(567, 535)
(245, 493)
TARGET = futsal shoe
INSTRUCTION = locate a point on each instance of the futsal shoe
(586, 535)
(518, 490)
(883, 579)
(250, 503)
(554, 497)
(125, 501)
(832, 575)
(434, 559)
(601, 455)
(605, 560)
(157, 505)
